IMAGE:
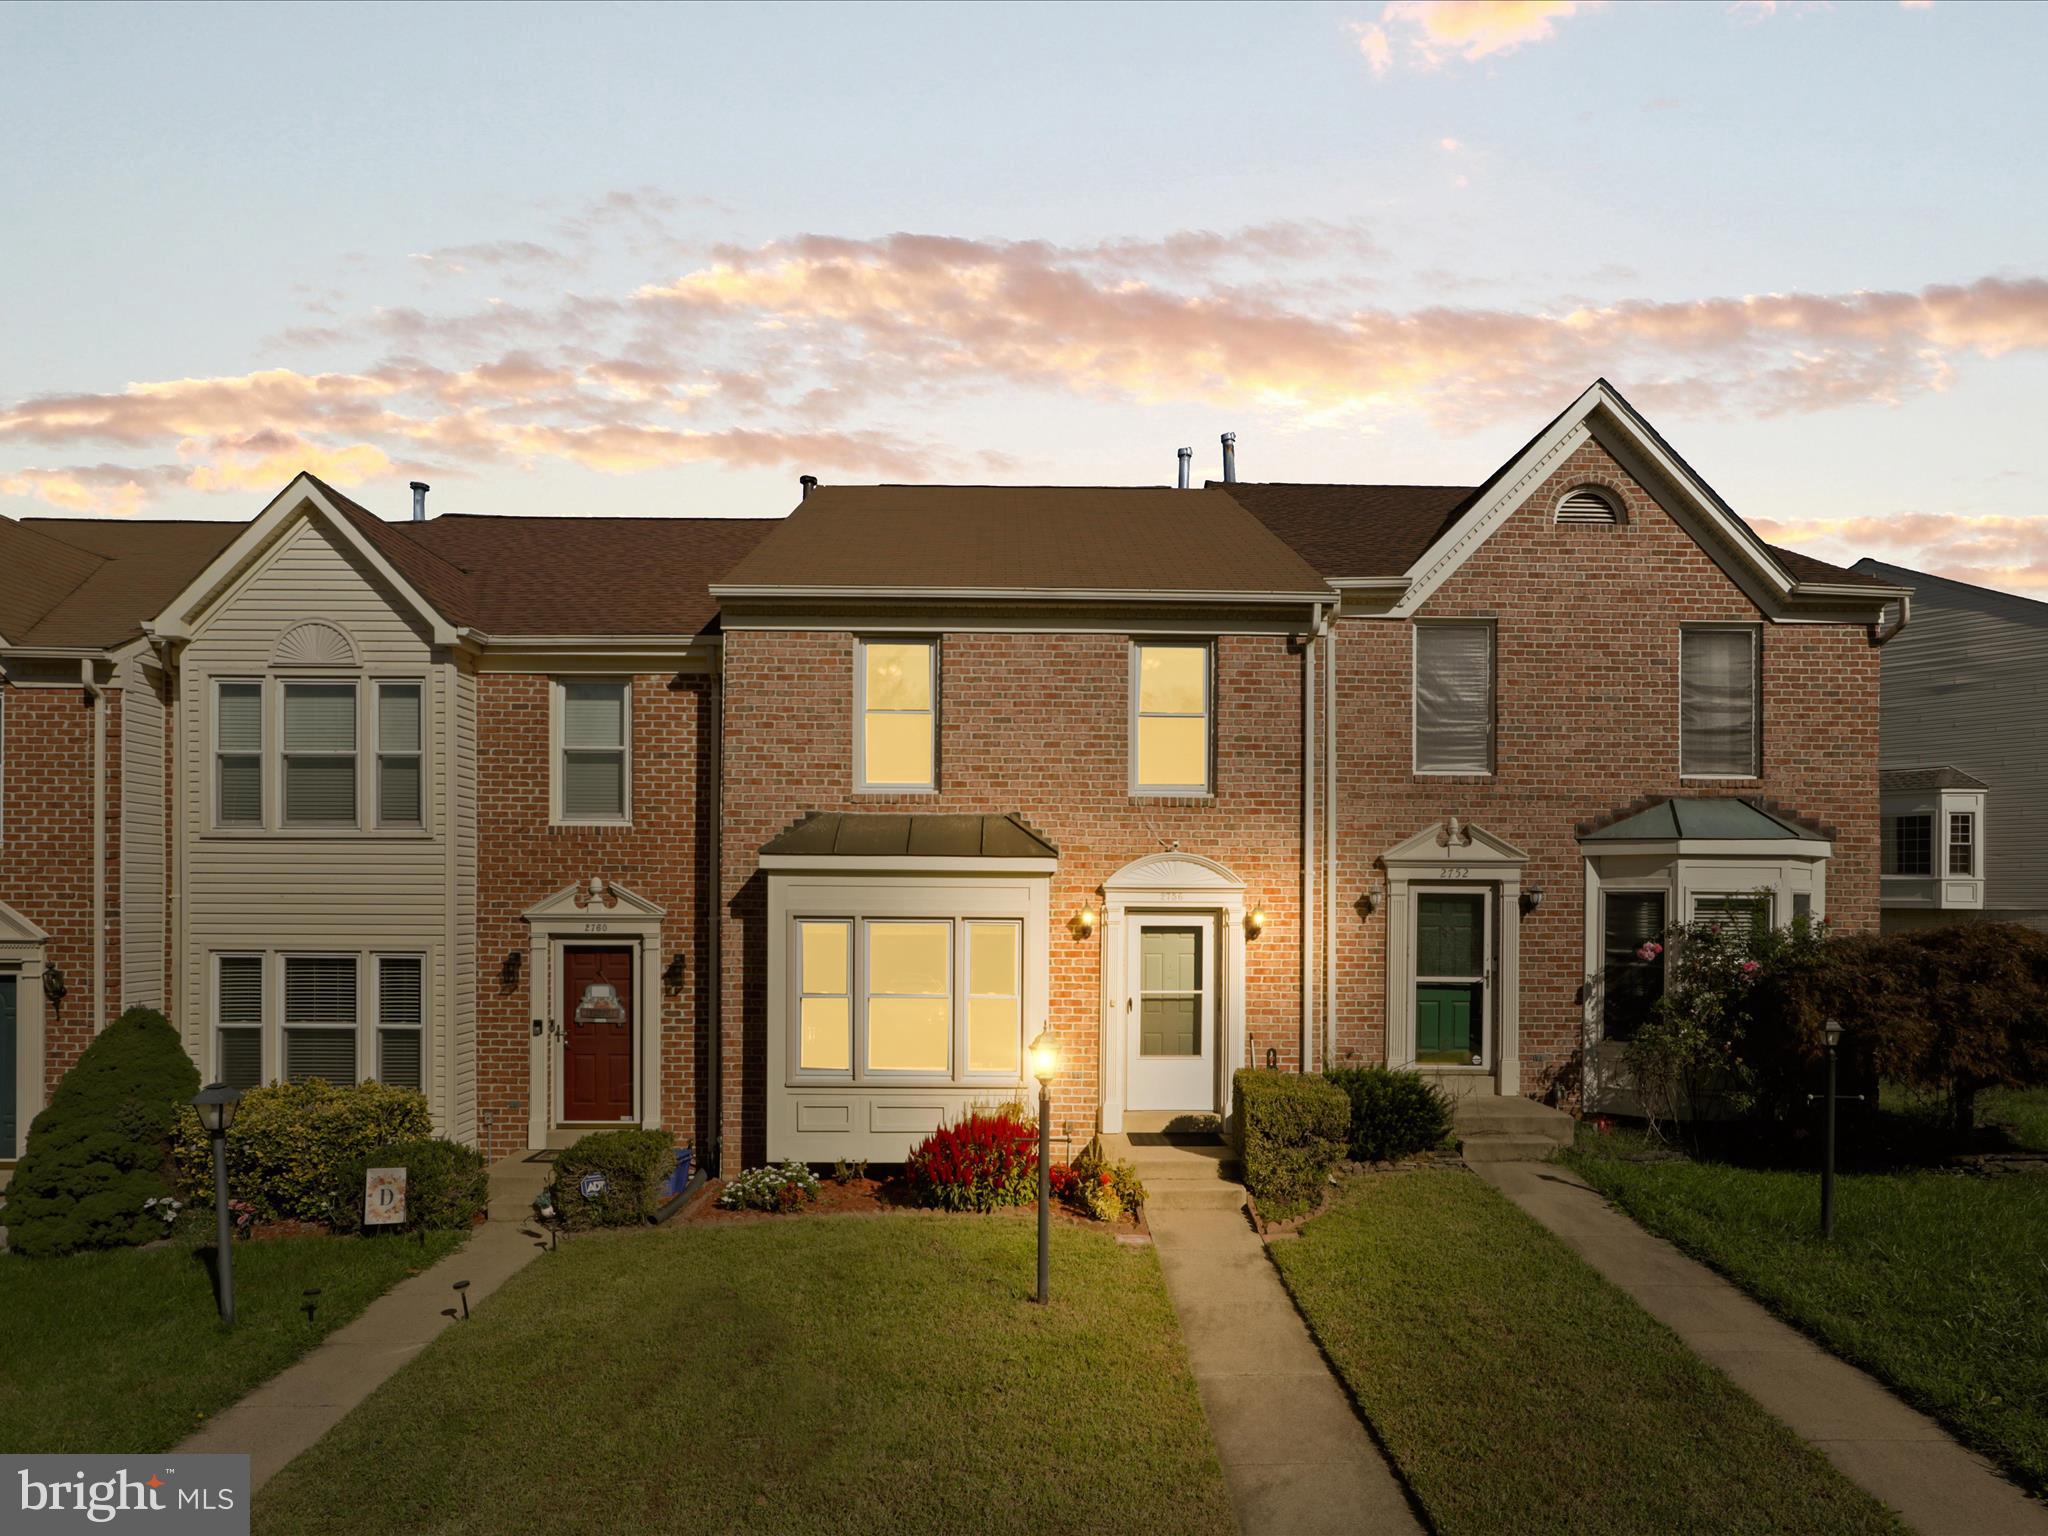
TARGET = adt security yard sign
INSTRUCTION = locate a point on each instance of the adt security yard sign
(591, 1185)
(384, 1197)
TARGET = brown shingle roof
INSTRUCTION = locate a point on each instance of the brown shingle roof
(125, 570)
(1023, 539)
(1942, 777)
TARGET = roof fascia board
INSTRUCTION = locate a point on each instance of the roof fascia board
(178, 620)
(1087, 595)
(908, 864)
(630, 655)
(925, 619)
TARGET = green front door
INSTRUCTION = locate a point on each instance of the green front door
(1450, 978)
(7, 1079)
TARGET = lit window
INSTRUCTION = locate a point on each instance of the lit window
(238, 1016)
(238, 754)
(320, 1018)
(824, 996)
(1454, 698)
(909, 997)
(399, 795)
(896, 749)
(1172, 719)
(1909, 845)
(320, 754)
(591, 778)
(995, 958)
(1962, 843)
(401, 1020)
(1718, 732)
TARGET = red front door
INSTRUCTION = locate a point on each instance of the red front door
(597, 1029)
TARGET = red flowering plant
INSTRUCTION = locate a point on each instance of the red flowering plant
(987, 1160)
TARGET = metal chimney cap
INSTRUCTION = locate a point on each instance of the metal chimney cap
(1230, 437)
(421, 485)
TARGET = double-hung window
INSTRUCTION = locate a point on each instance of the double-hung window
(1962, 843)
(320, 754)
(592, 775)
(238, 1020)
(1909, 845)
(401, 1019)
(1454, 698)
(399, 775)
(1720, 731)
(238, 754)
(885, 999)
(1633, 982)
(320, 1017)
(1172, 713)
(897, 744)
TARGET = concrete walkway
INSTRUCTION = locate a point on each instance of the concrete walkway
(297, 1406)
(1877, 1442)
(1295, 1457)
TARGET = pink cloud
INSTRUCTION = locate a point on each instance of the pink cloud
(1428, 34)
(1991, 549)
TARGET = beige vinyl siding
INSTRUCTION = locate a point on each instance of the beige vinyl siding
(331, 891)
(144, 892)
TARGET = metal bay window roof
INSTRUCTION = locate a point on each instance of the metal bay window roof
(935, 835)
(1683, 818)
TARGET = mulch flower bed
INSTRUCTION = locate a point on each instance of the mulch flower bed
(867, 1197)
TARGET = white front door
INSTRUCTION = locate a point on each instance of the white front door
(1171, 971)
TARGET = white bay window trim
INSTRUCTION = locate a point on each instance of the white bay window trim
(251, 749)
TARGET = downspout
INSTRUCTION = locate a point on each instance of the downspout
(1330, 839)
(174, 825)
(94, 692)
(1317, 623)
(715, 1016)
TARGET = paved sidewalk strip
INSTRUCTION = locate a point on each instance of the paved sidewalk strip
(1295, 1457)
(1893, 1451)
(297, 1406)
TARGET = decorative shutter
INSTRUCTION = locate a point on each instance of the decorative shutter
(398, 1057)
(1717, 702)
(1584, 506)
(319, 989)
(322, 1053)
(1454, 698)
(241, 1058)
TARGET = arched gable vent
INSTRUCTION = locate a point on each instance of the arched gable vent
(314, 643)
(1586, 505)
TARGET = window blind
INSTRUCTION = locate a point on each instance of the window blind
(398, 754)
(593, 714)
(238, 764)
(319, 989)
(1454, 698)
(1633, 985)
(319, 747)
(400, 994)
(1717, 702)
(1732, 914)
(593, 774)
(321, 1053)
(241, 990)
(241, 1058)
(593, 785)
(398, 1058)
(319, 717)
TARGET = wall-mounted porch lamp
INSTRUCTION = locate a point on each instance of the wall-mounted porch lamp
(1532, 898)
(1255, 919)
(1086, 919)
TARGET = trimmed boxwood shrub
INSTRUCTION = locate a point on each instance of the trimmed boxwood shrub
(291, 1141)
(1393, 1114)
(635, 1165)
(1291, 1131)
(986, 1159)
(446, 1186)
(103, 1145)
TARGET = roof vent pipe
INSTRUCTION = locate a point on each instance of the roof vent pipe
(419, 501)
(809, 483)
(1187, 459)
(1229, 457)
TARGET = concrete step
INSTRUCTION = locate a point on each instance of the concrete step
(1476, 1117)
(1154, 1158)
(1193, 1195)
(1178, 1121)
(1508, 1149)
(514, 1183)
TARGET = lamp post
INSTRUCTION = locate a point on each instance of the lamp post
(1832, 1032)
(1045, 1066)
(216, 1105)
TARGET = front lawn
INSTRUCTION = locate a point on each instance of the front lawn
(122, 1351)
(847, 1373)
(1935, 1282)
(1519, 1391)
(2022, 1113)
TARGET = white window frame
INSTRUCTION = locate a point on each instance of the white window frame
(1415, 629)
(285, 1026)
(1756, 716)
(1967, 844)
(862, 784)
(798, 992)
(963, 1043)
(1138, 646)
(265, 1013)
(378, 753)
(263, 735)
(557, 748)
(956, 1013)
(377, 1027)
(277, 759)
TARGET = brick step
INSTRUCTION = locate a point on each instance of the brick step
(1508, 1149)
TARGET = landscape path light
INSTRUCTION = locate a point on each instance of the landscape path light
(1045, 1066)
(216, 1103)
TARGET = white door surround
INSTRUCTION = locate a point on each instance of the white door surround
(1447, 855)
(1195, 891)
(21, 956)
(1178, 992)
(609, 916)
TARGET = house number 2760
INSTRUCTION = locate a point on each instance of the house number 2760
(597, 927)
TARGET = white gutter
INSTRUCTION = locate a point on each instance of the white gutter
(98, 696)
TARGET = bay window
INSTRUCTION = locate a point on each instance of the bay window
(320, 754)
(238, 754)
(399, 797)
(1633, 981)
(1962, 843)
(320, 1018)
(1909, 845)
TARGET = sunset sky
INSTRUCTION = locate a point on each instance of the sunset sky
(639, 260)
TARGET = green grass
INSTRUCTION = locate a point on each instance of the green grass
(2022, 1113)
(123, 1351)
(1935, 1282)
(831, 1374)
(1519, 1391)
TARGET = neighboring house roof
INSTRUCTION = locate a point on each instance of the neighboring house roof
(1924, 584)
(883, 834)
(91, 582)
(1942, 777)
(1022, 541)
(1696, 818)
